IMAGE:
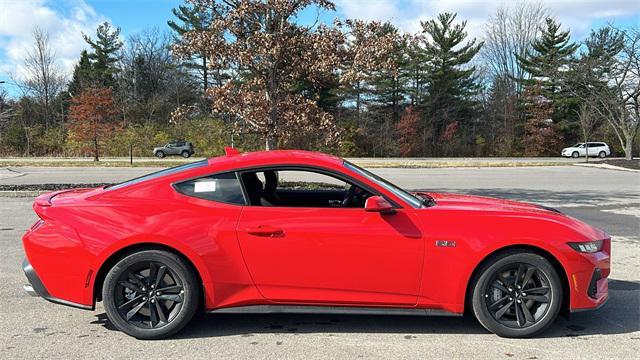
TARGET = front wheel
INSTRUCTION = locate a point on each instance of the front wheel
(151, 294)
(160, 154)
(517, 294)
(575, 155)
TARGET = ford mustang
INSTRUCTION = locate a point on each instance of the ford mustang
(297, 231)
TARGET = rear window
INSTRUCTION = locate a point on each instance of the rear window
(224, 188)
(158, 174)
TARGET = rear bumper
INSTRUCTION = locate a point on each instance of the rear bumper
(36, 288)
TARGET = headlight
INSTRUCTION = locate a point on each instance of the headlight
(587, 246)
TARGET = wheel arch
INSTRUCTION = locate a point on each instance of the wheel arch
(130, 249)
(564, 278)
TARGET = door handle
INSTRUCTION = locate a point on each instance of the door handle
(265, 230)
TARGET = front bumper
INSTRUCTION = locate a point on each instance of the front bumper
(35, 287)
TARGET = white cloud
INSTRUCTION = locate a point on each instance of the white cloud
(63, 23)
(577, 15)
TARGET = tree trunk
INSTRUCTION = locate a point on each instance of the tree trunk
(271, 143)
(628, 148)
(95, 149)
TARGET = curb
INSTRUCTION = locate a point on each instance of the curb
(607, 167)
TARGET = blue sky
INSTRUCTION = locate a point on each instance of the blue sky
(64, 20)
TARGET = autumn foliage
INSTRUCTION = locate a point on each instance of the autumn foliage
(540, 135)
(92, 118)
(274, 56)
(407, 131)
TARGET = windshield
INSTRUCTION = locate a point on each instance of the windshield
(158, 174)
(578, 145)
(401, 193)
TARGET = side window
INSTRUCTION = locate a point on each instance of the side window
(221, 188)
(307, 180)
(301, 188)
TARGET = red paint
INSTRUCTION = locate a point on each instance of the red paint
(264, 255)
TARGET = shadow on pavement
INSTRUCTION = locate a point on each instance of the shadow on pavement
(620, 315)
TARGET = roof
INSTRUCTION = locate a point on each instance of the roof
(274, 157)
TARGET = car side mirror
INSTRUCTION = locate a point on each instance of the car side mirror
(378, 204)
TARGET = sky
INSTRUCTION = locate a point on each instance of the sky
(66, 20)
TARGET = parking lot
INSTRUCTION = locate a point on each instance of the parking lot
(609, 199)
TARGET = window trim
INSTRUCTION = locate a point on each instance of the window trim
(244, 195)
(311, 168)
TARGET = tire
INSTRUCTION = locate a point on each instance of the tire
(156, 314)
(501, 307)
(160, 154)
(185, 154)
(602, 155)
(575, 155)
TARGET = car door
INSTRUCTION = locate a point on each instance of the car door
(332, 255)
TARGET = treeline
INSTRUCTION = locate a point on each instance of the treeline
(248, 73)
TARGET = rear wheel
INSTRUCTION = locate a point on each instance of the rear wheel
(185, 154)
(160, 154)
(517, 294)
(150, 294)
(602, 154)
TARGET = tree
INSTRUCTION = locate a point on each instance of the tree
(540, 137)
(91, 116)
(269, 53)
(607, 77)
(508, 35)
(44, 78)
(619, 102)
(550, 56)
(83, 74)
(104, 53)
(407, 129)
(452, 82)
(194, 18)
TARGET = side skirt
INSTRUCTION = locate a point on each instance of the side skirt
(347, 310)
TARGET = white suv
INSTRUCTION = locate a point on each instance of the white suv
(598, 149)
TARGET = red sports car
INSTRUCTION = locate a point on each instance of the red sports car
(297, 231)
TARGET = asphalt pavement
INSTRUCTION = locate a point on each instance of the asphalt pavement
(33, 328)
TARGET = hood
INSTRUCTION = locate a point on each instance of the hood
(472, 202)
(459, 202)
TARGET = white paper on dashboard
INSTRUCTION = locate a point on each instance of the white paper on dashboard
(204, 186)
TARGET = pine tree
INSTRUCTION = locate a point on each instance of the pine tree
(83, 74)
(550, 57)
(550, 53)
(452, 82)
(104, 53)
(194, 18)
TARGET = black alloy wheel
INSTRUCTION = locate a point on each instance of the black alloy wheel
(517, 295)
(150, 294)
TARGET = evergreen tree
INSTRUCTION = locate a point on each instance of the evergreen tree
(551, 55)
(83, 74)
(104, 53)
(194, 18)
(452, 83)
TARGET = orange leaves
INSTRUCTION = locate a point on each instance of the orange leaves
(270, 55)
(91, 114)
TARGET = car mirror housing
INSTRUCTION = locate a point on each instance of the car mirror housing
(378, 204)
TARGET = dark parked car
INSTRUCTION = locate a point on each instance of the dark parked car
(182, 148)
